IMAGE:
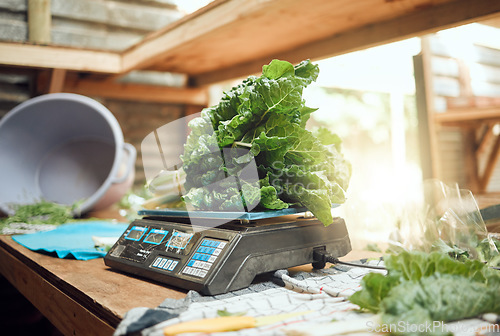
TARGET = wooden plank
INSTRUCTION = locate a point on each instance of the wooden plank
(471, 167)
(39, 21)
(490, 164)
(473, 102)
(239, 31)
(484, 139)
(35, 56)
(127, 15)
(57, 80)
(428, 143)
(138, 92)
(422, 20)
(468, 114)
(152, 49)
(63, 312)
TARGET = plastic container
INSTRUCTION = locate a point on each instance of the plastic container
(63, 148)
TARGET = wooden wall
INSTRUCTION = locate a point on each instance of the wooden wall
(93, 24)
(460, 83)
(96, 24)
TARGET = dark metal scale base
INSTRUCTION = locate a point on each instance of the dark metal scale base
(215, 260)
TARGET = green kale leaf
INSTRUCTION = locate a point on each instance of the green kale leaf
(264, 119)
(420, 288)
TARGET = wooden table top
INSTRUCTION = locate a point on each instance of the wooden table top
(90, 293)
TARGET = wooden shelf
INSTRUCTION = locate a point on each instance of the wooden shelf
(234, 38)
(465, 116)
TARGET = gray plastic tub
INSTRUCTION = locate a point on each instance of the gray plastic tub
(63, 148)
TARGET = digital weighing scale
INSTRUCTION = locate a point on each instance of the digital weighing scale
(165, 247)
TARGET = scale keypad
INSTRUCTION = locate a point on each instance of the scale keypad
(204, 257)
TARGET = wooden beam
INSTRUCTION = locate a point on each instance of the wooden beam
(152, 49)
(57, 80)
(428, 143)
(465, 115)
(471, 167)
(18, 54)
(484, 139)
(420, 22)
(490, 164)
(138, 92)
(39, 21)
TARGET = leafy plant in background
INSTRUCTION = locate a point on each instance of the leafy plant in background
(263, 119)
(420, 288)
(42, 212)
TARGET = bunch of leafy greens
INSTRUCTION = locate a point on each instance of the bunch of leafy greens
(420, 288)
(263, 119)
(42, 212)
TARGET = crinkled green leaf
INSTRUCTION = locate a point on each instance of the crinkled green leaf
(269, 196)
(376, 286)
(267, 116)
(277, 69)
(420, 288)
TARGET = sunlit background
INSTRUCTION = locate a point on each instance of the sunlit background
(368, 98)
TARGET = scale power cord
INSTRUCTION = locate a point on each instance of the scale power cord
(321, 258)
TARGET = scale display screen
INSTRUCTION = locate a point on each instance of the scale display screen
(136, 233)
(179, 240)
(156, 236)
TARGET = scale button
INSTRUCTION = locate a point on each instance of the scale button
(157, 261)
(187, 270)
(191, 262)
(200, 249)
(197, 256)
(217, 252)
(162, 263)
(197, 263)
(172, 265)
(205, 242)
(210, 250)
(202, 273)
(207, 266)
(169, 261)
(212, 259)
(222, 244)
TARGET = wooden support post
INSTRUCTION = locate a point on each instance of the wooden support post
(39, 21)
(429, 153)
(490, 164)
(484, 139)
(57, 80)
(471, 168)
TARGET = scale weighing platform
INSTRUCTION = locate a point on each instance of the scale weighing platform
(165, 247)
